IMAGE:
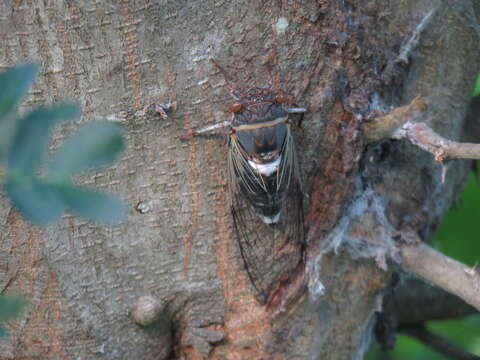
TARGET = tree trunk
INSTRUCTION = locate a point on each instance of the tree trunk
(338, 58)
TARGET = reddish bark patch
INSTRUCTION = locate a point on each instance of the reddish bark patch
(130, 53)
(37, 333)
(246, 322)
(287, 292)
(333, 182)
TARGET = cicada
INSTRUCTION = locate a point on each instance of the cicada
(266, 197)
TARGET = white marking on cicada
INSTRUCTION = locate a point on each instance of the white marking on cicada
(266, 169)
(281, 25)
(270, 219)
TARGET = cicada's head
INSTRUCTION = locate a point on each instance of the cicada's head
(259, 123)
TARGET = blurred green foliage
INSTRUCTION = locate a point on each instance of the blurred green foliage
(10, 307)
(41, 186)
(476, 88)
(458, 234)
(463, 332)
(41, 189)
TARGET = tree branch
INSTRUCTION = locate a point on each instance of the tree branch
(427, 139)
(443, 271)
(400, 124)
(439, 343)
(384, 127)
(409, 46)
(412, 42)
(415, 302)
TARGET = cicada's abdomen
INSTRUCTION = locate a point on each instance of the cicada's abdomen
(266, 202)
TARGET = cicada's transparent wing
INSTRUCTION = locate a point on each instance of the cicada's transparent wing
(256, 251)
(290, 232)
(293, 217)
(269, 251)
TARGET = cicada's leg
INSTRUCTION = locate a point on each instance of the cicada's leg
(164, 109)
(222, 128)
(298, 110)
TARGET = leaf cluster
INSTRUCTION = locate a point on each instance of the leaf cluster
(41, 186)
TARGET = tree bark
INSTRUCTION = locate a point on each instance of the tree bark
(338, 58)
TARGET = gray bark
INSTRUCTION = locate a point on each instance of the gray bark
(337, 58)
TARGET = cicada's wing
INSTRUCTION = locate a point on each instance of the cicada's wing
(293, 219)
(269, 251)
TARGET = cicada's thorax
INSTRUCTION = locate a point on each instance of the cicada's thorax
(260, 128)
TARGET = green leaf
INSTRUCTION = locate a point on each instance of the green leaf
(32, 136)
(14, 84)
(37, 200)
(10, 307)
(93, 145)
(476, 89)
(7, 131)
(92, 204)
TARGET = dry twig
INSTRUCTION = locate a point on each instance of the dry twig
(412, 42)
(413, 303)
(442, 271)
(423, 136)
(416, 302)
(384, 127)
(400, 124)
(440, 344)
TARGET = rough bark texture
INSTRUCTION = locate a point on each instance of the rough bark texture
(336, 57)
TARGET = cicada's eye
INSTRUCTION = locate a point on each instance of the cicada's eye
(236, 107)
(279, 99)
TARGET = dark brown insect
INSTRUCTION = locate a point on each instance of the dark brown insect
(266, 198)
